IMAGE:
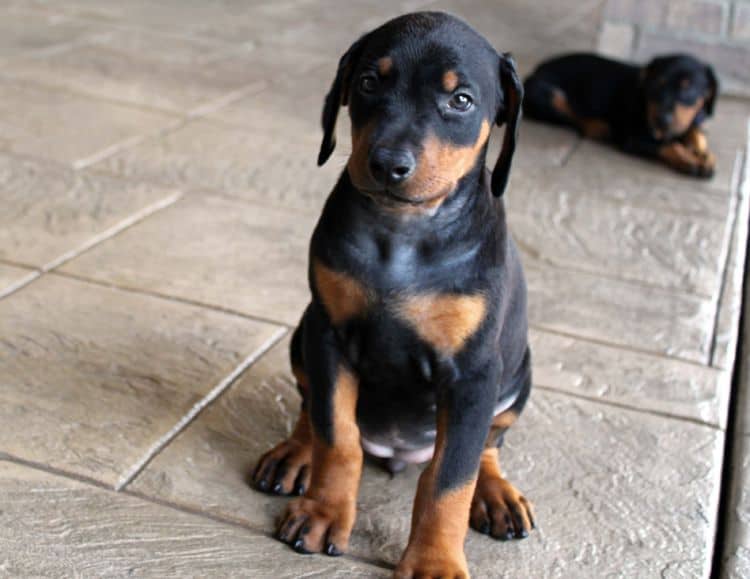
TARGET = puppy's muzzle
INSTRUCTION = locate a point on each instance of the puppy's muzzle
(391, 167)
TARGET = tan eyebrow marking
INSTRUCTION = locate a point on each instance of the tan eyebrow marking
(450, 80)
(385, 65)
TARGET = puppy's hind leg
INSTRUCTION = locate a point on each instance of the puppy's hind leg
(546, 102)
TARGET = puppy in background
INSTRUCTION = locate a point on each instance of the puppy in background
(654, 111)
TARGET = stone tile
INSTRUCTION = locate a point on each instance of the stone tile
(619, 171)
(23, 32)
(532, 31)
(92, 377)
(632, 379)
(616, 40)
(264, 167)
(649, 12)
(568, 223)
(620, 313)
(207, 465)
(165, 72)
(604, 506)
(218, 251)
(741, 22)
(539, 146)
(66, 127)
(57, 527)
(49, 210)
(290, 108)
(11, 275)
(736, 559)
(698, 16)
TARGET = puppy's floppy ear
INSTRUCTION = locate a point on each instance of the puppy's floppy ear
(338, 96)
(713, 85)
(509, 112)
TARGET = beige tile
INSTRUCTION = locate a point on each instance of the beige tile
(538, 146)
(620, 313)
(269, 167)
(175, 74)
(597, 177)
(92, 377)
(604, 505)
(633, 379)
(622, 171)
(49, 210)
(27, 32)
(218, 251)
(567, 223)
(57, 527)
(66, 127)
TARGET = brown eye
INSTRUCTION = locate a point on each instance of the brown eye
(460, 102)
(368, 83)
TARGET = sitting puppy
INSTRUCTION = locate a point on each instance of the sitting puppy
(414, 346)
(654, 111)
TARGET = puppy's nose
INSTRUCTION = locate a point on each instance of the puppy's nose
(392, 166)
(665, 119)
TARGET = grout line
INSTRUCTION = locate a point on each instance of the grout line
(129, 143)
(113, 231)
(569, 153)
(207, 108)
(173, 298)
(619, 346)
(21, 283)
(626, 406)
(91, 242)
(130, 474)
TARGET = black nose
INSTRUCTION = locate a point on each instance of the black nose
(391, 166)
(665, 119)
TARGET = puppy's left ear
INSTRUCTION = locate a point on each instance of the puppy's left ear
(713, 85)
(509, 113)
(338, 96)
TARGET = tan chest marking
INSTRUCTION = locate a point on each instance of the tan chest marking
(445, 321)
(343, 296)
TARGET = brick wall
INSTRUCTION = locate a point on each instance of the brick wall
(717, 31)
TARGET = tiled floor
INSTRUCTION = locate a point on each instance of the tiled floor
(157, 192)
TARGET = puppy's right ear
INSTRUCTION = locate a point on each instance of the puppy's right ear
(337, 97)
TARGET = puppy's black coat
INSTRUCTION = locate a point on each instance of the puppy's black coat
(654, 111)
(416, 334)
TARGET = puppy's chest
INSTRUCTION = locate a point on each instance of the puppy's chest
(442, 320)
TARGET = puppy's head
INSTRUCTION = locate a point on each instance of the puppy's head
(680, 92)
(423, 92)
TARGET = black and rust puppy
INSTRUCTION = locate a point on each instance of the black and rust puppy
(414, 346)
(654, 111)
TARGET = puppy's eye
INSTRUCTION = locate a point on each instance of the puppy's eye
(368, 83)
(460, 102)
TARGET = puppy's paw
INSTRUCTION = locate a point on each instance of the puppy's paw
(314, 526)
(285, 469)
(430, 564)
(707, 164)
(498, 509)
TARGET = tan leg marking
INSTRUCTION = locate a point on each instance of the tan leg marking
(684, 160)
(439, 524)
(322, 520)
(498, 508)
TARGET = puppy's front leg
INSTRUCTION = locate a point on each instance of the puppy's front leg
(322, 520)
(441, 509)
